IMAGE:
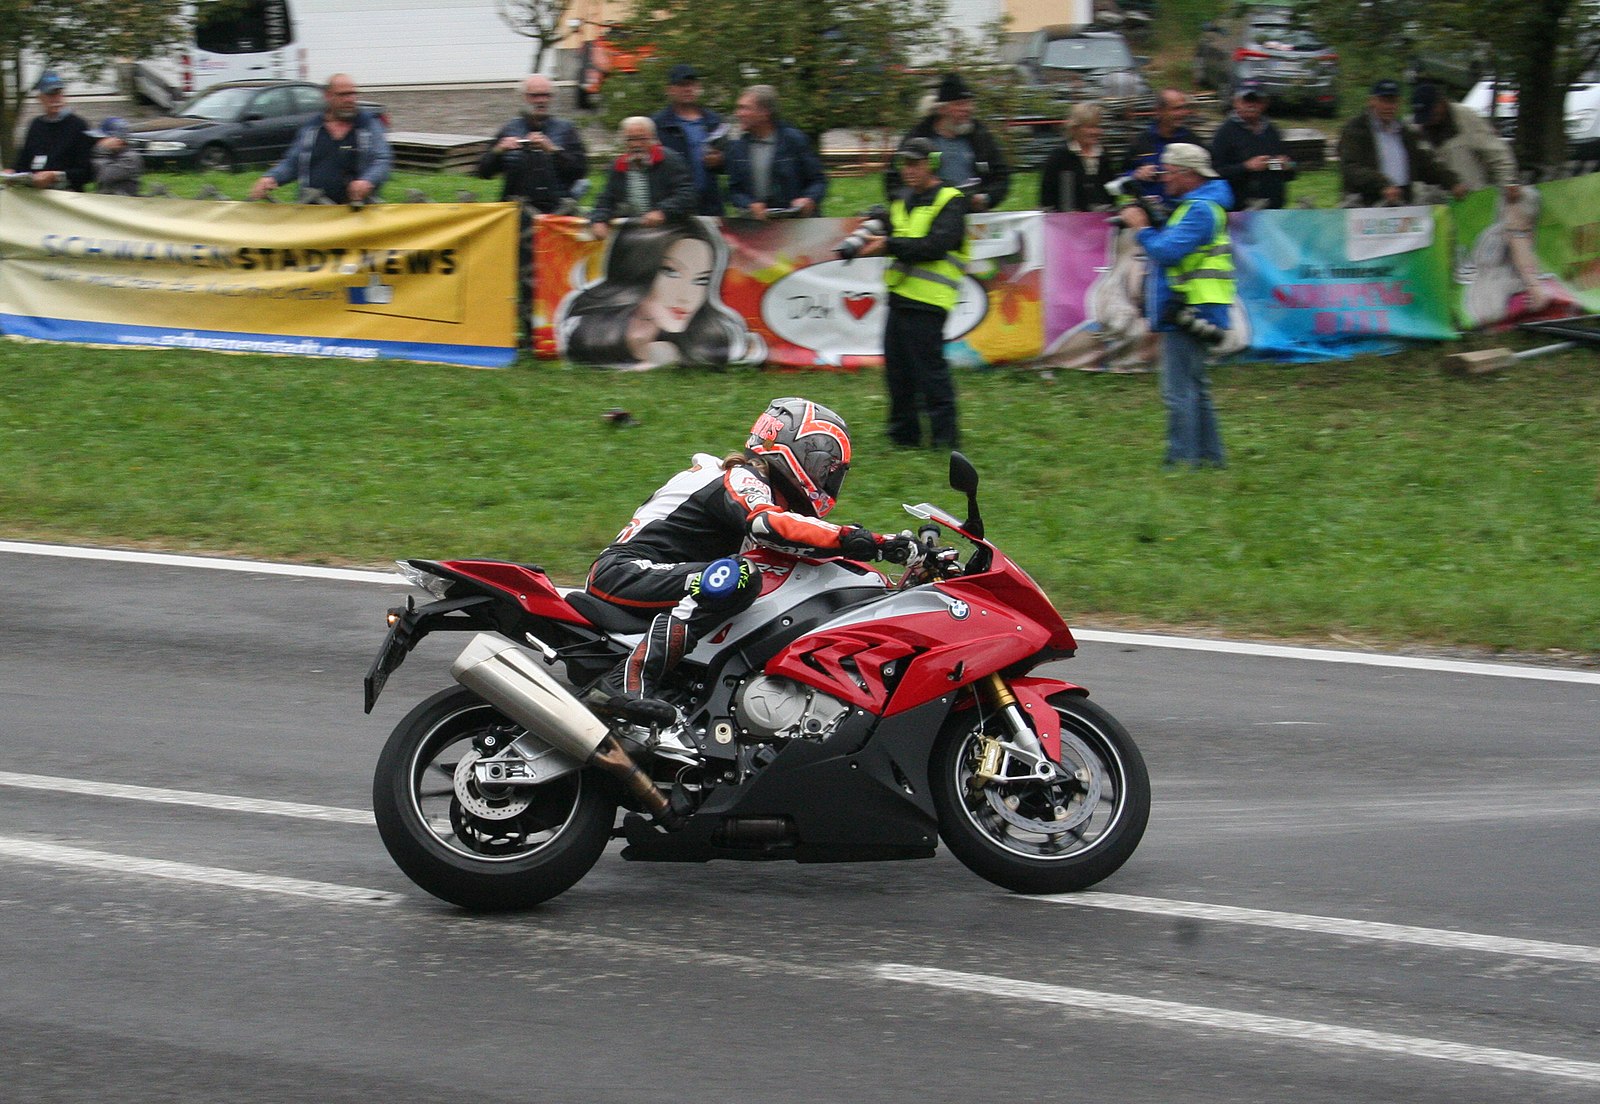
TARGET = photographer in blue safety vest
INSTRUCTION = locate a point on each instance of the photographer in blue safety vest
(927, 247)
(1189, 291)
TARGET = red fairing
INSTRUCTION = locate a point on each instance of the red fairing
(848, 661)
(532, 589)
(1008, 584)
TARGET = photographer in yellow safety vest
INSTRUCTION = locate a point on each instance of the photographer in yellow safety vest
(927, 247)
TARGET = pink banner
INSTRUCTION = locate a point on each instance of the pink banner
(1094, 296)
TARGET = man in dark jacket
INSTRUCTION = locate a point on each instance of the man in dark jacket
(1144, 156)
(695, 134)
(542, 156)
(648, 182)
(970, 157)
(772, 165)
(1381, 159)
(56, 148)
(343, 153)
(1249, 153)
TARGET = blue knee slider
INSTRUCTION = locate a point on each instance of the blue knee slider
(726, 581)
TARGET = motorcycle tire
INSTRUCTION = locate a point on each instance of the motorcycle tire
(1034, 838)
(526, 847)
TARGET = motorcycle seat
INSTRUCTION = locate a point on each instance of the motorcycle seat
(609, 618)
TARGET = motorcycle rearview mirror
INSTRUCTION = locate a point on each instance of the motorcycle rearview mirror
(964, 478)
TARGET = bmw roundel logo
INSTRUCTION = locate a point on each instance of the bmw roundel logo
(959, 610)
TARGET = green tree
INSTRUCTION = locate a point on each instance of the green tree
(835, 63)
(1541, 47)
(88, 34)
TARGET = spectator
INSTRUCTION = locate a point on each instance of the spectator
(772, 164)
(1248, 152)
(1380, 158)
(343, 153)
(648, 182)
(1144, 156)
(1075, 174)
(927, 250)
(56, 146)
(1190, 290)
(695, 134)
(118, 167)
(1464, 141)
(970, 157)
(541, 156)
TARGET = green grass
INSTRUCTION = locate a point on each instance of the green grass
(847, 195)
(1374, 500)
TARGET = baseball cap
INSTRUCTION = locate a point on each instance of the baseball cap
(1423, 97)
(49, 83)
(1184, 155)
(1386, 88)
(114, 127)
(916, 149)
(1250, 90)
(681, 73)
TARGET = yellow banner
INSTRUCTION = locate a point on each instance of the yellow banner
(429, 281)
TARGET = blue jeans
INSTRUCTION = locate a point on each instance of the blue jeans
(1192, 436)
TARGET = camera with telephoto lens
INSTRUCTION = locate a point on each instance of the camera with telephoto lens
(1124, 194)
(875, 226)
(1180, 315)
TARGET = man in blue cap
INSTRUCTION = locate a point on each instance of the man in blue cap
(695, 133)
(57, 145)
(1249, 153)
(1381, 159)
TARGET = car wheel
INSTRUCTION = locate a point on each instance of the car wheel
(215, 157)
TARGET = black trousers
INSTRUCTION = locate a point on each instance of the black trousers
(918, 379)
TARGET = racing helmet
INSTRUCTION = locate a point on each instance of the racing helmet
(806, 447)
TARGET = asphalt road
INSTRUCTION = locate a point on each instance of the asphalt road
(1359, 883)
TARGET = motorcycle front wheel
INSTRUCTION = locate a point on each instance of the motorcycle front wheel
(482, 850)
(1037, 837)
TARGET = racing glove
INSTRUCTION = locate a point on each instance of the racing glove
(858, 543)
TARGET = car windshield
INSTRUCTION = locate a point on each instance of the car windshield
(1087, 53)
(1282, 38)
(217, 103)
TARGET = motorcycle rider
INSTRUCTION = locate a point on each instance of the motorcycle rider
(679, 555)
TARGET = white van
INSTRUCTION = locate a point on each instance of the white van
(248, 40)
(1582, 112)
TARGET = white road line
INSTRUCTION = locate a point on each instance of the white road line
(217, 877)
(214, 563)
(1221, 1019)
(224, 802)
(1441, 938)
(1328, 655)
(1140, 640)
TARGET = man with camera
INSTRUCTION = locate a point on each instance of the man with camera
(542, 156)
(1188, 292)
(927, 247)
(1249, 153)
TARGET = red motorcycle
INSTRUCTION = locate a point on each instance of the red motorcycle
(843, 717)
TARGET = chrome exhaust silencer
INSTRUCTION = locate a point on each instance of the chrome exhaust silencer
(515, 683)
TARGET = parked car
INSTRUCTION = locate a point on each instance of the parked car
(1498, 104)
(1071, 64)
(231, 125)
(1271, 45)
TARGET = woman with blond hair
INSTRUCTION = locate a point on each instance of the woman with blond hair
(1075, 174)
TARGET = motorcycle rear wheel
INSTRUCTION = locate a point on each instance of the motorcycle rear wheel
(500, 852)
(1034, 838)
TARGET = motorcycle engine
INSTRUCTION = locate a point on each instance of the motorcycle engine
(772, 709)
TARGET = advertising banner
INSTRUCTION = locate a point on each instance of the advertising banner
(745, 292)
(1319, 284)
(1094, 296)
(1532, 258)
(429, 282)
